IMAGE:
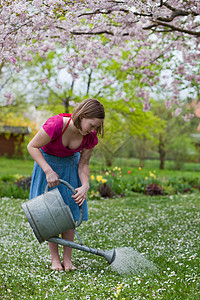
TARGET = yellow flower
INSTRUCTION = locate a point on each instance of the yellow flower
(139, 168)
(107, 173)
(103, 180)
(115, 168)
(92, 177)
(99, 178)
(146, 178)
(152, 175)
(119, 286)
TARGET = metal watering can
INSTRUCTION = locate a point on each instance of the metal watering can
(49, 216)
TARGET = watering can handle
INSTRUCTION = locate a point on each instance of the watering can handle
(74, 192)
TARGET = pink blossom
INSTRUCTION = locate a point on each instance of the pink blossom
(10, 98)
(124, 68)
(94, 64)
(39, 26)
(140, 93)
(80, 68)
(13, 59)
(197, 78)
(177, 112)
(168, 104)
(188, 117)
(144, 79)
(28, 57)
(130, 77)
(44, 80)
(42, 54)
(108, 82)
(132, 109)
(58, 86)
(72, 103)
(37, 3)
(60, 67)
(146, 106)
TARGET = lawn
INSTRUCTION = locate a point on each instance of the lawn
(165, 230)
(9, 167)
(24, 167)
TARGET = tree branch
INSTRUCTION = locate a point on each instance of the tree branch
(105, 12)
(91, 33)
(172, 27)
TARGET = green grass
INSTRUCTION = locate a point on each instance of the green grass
(149, 164)
(165, 229)
(9, 167)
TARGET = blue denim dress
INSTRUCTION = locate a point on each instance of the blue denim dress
(67, 169)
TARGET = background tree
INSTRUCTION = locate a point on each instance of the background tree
(174, 140)
(102, 29)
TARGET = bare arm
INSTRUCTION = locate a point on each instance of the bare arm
(39, 140)
(84, 173)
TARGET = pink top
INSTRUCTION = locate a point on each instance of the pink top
(54, 128)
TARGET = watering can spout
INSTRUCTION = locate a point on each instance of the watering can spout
(109, 255)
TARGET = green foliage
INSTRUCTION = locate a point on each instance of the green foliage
(121, 126)
(9, 187)
(175, 136)
(182, 148)
(122, 182)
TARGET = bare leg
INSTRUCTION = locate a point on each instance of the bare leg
(67, 251)
(55, 257)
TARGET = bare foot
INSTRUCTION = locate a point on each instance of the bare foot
(69, 267)
(56, 266)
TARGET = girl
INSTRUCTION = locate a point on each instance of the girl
(62, 148)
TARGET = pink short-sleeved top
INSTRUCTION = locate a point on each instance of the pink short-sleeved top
(54, 128)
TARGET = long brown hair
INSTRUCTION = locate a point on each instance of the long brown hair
(89, 109)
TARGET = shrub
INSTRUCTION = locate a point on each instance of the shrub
(9, 189)
(153, 189)
(14, 186)
(112, 183)
(142, 181)
(105, 191)
(24, 183)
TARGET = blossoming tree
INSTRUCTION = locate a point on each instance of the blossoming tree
(150, 30)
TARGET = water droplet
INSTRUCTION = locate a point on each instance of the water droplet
(130, 261)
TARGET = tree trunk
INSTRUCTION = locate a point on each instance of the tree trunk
(66, 104)
(162, 152)
(142, 150)
(89, 82)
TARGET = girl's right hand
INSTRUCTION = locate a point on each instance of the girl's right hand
(52, 179)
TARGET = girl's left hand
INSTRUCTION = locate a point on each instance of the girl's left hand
(80, 195)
